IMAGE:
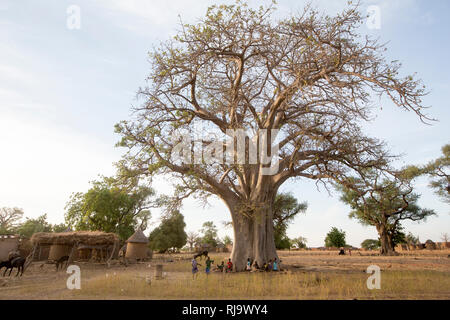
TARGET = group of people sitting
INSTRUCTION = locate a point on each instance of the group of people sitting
(222, 268)
(271, 265)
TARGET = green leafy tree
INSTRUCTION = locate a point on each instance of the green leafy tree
(284, 243)
(59, 227)
(285, 209)
(335, 238)
(383, 201)
(209, 231)
(170, 233)
(31, 226)
(398, 236)
(439, 172)
(299, 242)
(309, 76)
(110, 206)
(227, 241)
(370, 244)
(9, 219)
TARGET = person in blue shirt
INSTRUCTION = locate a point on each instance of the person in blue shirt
(249, 265)
(275, 265)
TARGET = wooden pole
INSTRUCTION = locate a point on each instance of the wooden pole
(159, 272)
(108, 262)
(30, 257)
(75, 246)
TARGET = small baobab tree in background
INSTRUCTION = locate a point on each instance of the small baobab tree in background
(303, 83)
(299, 242)
(370, 244)
(191, 239)
(383, 201)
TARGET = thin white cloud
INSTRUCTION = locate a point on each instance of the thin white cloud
(41, 164)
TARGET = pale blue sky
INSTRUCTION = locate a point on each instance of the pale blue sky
(62, 91)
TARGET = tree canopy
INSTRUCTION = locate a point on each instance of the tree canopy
(110, 206)
(285, 209)
(303, 83)
(9, 219)
(209, 232)
(170, 233)
(335, 238)
(39, 224)
(383, 201)
(227, 240)
(439, 172)
(370, 244)
(299, 242)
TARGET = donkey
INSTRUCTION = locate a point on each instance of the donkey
(17, 262)
(200, 254)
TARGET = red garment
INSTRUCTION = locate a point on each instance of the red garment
(230, 265)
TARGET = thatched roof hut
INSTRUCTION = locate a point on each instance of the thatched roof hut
(137, 246)
(75, 237)
(138, 237)
(430, 245)
(61, 243)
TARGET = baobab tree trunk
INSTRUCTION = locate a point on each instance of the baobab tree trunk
(387, 249)
(253, 237)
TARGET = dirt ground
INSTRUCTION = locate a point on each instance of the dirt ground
(41, 281)
(359, 261)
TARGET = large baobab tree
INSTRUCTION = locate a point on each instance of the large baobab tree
(309, 76)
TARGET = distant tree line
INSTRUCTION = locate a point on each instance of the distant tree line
(11, 222)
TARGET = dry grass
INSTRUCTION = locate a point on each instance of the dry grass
(395, 285)
(309, 276)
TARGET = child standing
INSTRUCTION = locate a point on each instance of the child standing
(195, 265)
(208, 263)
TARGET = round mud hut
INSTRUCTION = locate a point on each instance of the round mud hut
(57, 251)
(430, 245)
(137, 246)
